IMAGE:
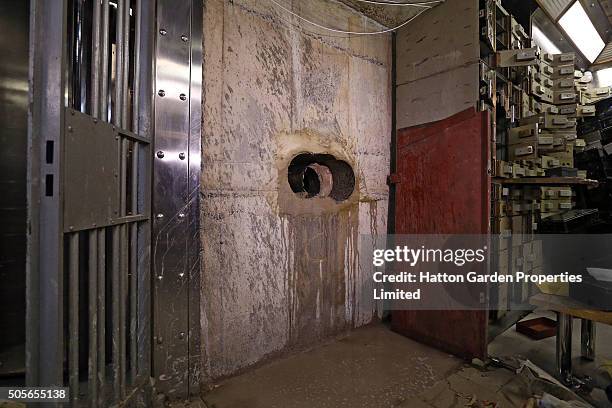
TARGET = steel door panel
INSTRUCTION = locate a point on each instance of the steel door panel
(176, 171)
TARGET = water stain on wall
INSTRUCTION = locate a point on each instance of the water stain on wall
(321, 234)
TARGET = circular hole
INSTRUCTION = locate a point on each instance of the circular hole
(321, 175)
(311, 182)
(344, 180)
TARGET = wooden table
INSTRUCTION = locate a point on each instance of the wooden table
(566, 309)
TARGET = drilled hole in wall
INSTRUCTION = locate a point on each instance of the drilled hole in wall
(321, 175)
(312, 182)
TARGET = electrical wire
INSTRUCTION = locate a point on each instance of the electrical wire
(388, 30)
(401, 4)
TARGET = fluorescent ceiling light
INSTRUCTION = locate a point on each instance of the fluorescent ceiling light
(579, 27)
(543, 41)
(604, 77)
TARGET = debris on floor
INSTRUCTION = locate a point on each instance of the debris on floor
(550, 401)
(539, 382)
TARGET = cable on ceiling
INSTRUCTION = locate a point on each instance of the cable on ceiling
(388, 30)
(426, 4)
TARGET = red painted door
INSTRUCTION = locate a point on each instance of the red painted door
(443, 188)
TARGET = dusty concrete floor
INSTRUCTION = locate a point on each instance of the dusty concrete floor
(372, 367)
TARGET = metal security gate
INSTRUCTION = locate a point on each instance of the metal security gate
(90, 135)
(113, 264)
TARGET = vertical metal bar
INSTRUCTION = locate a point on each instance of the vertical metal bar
(101, 315)
(69, 71)
(95, 49)
(136, 93)
(73, 311)
(126, 65)
(134, 265)
(93, 318)
(84, 42)
(193, 230)
(122, 308)
(123, 267)
(145, 17)
(135, 181)
(587, 339)
(118, 233)
(119, 38)
(104, 61)
(115, 306)
(77, 61)
(123, 177)
(564, 346)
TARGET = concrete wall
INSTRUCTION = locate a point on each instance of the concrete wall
(281, 272)
(437, 63)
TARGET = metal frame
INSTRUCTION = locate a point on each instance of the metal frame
(564, 345)
(67, 262)
(195, 173)
(176, 186)
(44, 265)
(587, 339)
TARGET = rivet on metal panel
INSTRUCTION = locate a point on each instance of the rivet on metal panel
(160, 216)
(181, 215)
(181, 274)
(161, 93)
(69, 128)
(184, 38)
(163, 32)
(160, 277)
(182, 156)
(160, 154)
(183, 97)
(181, 335)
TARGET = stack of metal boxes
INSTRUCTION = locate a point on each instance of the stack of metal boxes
(507, 60)
(596, 157)
(535, 100)
(544, 140)
(588, 95)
